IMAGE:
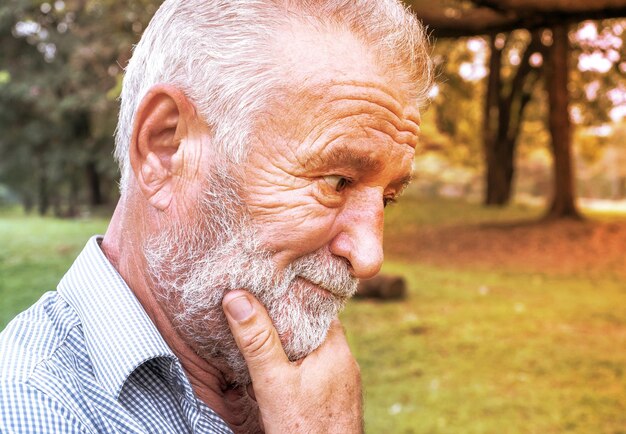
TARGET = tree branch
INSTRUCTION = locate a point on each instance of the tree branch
(517, 83)
(510, 15)
(490, 4)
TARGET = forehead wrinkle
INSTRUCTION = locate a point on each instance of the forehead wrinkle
(389, 112)
(400, 124)
(362, 113)
(388, 94)
(380, 93)
(370, 124)
(339, 108)
(323, 136)
(401, 137)
(389, 97)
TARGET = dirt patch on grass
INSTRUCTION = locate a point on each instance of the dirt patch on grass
(561, 247)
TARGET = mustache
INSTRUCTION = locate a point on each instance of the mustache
(328, 271)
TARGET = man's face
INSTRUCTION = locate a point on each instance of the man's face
(303, 219)
(329, 155)
(321, 177)
(192, 264)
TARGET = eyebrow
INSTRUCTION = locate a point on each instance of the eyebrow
(343, 156)
(404, 181)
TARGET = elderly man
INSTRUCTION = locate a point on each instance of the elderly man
(259, 142)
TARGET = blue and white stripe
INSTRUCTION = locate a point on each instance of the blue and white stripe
(87, 359)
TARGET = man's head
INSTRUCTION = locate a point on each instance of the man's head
(219, 53)
(264, 159)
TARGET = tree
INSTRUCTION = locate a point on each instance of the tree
(503, 114)
(61, 67)
(490, 17)
(563, 202)
(455, 134)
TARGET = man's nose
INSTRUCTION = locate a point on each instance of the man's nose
(361, 239)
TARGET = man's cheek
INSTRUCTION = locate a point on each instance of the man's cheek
(304, 230)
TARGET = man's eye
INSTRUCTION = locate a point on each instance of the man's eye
(388, 201)
(338, 183)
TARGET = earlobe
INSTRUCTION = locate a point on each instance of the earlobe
(161, 123)
(153, 180)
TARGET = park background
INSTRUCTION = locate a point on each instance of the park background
(511, 238)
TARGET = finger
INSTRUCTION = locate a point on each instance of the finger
(254, 334)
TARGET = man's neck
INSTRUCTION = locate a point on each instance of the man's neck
(209, 378)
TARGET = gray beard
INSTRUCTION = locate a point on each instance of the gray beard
(192, 265)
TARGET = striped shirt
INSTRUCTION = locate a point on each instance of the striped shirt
(87, 359)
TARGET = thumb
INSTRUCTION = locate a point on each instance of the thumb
(254, 333)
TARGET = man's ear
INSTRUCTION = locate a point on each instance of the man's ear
(162, 121)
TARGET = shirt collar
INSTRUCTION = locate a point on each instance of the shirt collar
(119, 335)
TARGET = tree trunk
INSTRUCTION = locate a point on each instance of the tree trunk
(72, 199)
(93, 181)
(43, 199)
(497, 189)
(27, 202)
(503, 118)
(563, 201)
(500, 173)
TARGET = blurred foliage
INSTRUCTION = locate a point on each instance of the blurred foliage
(458, 108)
(60, 70)
(598, 68)
(453, 125)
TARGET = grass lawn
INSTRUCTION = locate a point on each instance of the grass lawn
(475, 348)
(34, 254)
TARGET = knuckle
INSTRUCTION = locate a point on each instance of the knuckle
(256, 346)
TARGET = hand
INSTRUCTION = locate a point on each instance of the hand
(318, 394)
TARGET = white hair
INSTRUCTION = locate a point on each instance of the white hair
(193, 264)
(218, 52)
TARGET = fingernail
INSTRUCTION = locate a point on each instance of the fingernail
(239, 308)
